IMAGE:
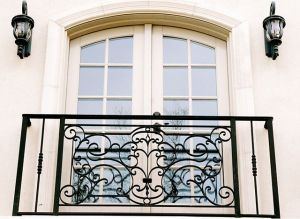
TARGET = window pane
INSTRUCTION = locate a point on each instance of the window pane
(91, 81)
(202, 54)
(204, 82)
(176, 107)
(175, 81)
(175, 50)
(119, 81)
(177, 185)
(205, 107)
(119, 107)
(119, 153)
(81, 182)
(118, 181)
(89, 106)
(93, 53)
(212, 177)
(178, 142)
(120, 50)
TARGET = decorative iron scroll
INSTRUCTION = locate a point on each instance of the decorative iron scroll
(147, 167)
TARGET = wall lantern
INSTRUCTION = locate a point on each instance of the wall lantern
(23, 25)
(273, 26)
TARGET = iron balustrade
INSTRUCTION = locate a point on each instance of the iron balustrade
(128, 161)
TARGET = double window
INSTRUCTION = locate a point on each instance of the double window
(141, 70)
(146, 69)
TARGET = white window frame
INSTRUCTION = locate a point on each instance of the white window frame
(147, 88)
(147, 74)
(237, 37)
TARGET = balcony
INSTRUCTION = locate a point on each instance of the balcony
(146, 165)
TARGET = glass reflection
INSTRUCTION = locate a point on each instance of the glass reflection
(202, 54)
(119, 81)
(117, 182)
(204, 82)
(175, 50)
(175, 81)
(91, 81)
(205, 108)
(120, 50)
(93, 53)
(89, 106)
(176, 107)
(118, 107)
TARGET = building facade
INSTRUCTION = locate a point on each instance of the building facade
(179, 106)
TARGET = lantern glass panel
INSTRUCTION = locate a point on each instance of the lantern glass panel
(274, 28)
(22, 30)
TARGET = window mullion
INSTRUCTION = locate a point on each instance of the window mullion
(105, 87)
(190, 112)
(101, 187)
(147, 69)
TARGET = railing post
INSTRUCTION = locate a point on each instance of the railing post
(269, 126)
(254, 168)
(235, 169)
(25, 124)
(39, 167)
(59, 166)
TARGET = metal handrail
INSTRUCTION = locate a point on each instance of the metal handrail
(232, 126)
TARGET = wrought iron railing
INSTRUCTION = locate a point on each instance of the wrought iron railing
(202, 165)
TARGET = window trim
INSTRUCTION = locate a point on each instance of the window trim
(62, 28)
(94, 17)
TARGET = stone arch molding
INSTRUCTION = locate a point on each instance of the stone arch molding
(82, 20)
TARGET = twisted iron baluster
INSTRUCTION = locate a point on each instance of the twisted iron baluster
(39, 167)
(254, 168)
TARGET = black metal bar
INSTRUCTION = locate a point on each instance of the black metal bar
(129, 133)
(273, 168)
(236, 192)
(254, 168)
(209, 151)
(59, 166)
(149, 214)
(18, 184)
(71, 163)
(143, 125)
(235, 168)
(149, 117)
(28, 122)
(152, 206)
(39, 167)
(223, 165)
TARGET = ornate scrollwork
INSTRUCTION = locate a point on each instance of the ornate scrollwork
(147, 166)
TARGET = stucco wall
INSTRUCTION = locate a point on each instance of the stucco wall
(276, 84)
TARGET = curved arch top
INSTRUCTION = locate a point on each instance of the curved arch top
(82, 20)
(185, 14)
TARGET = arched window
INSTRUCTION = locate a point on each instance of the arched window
(82, 76)
(141, 70)
(147, 69)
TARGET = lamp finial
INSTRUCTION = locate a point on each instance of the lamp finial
(272, 8)
(24, 7)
